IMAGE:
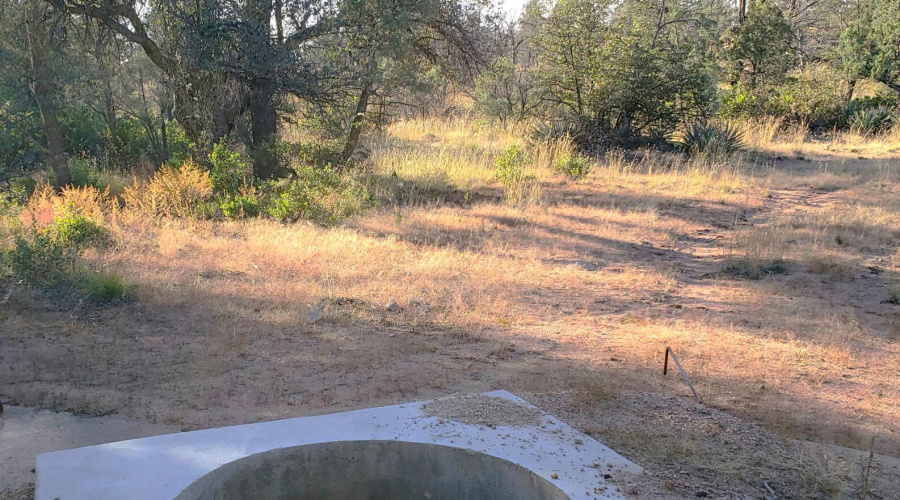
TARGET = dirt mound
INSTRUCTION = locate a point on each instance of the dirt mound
(483, 410)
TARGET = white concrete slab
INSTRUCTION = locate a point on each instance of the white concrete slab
(25, 433)
(160, 467)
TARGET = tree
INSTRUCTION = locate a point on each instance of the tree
(44, 87)
(624, 72)
(761, 50)
(870, 45)
(224, 59)
(508, 87)
(396, 43)
(227, 61)
(21, 130)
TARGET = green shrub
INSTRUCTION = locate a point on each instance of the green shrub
(82, 128)
(84, 173)
(207, 210)
(240, 206)
(815, 96)
(13, 198)
(519, 188)
(711, 140)
(41, 260)
(132, 141)
(740, 101)
(574, 165)
(322, 195)
(229, 171)
(46, 257)
(318, 153)
(510, 165)
(75, 230)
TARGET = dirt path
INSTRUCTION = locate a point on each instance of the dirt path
(708, 246)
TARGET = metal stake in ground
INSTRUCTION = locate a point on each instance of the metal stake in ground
(687, 379)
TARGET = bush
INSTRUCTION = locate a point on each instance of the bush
(229, 171)
(46, 257)
(318, 153)
(554, 131)
(510, 165)
(83, 173)
(240, 206)
(42, 260)
(519, 188)
(170, 192)
(322, 195)
(12, 199)
(711, 140)
(76, 231)
(573, 165)
(815, 96)
(873, 120)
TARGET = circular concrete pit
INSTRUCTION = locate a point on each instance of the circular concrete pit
(371, 470)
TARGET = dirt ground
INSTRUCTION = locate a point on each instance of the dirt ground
(570, 305)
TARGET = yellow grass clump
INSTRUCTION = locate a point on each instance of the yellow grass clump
(170, 192)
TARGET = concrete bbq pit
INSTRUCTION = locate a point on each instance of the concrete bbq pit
(400, 452)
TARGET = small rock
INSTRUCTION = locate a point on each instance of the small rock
(607, 476)
(587, 266)
(392, 307)
(554, 476)
(701, 494)
(314, 316)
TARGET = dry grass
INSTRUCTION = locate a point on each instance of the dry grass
(597, 279)
(773, 136)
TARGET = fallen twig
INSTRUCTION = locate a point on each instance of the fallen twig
(687, 379)
(771, 495)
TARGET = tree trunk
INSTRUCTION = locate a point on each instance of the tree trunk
(356, 125)
(262, 87)
(264, 120)
(163, 154)
(43, 86)
(850, 90)
(109, 103)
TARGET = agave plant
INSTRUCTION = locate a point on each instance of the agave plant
(543, 131)
(712, 140)
(874, 119)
